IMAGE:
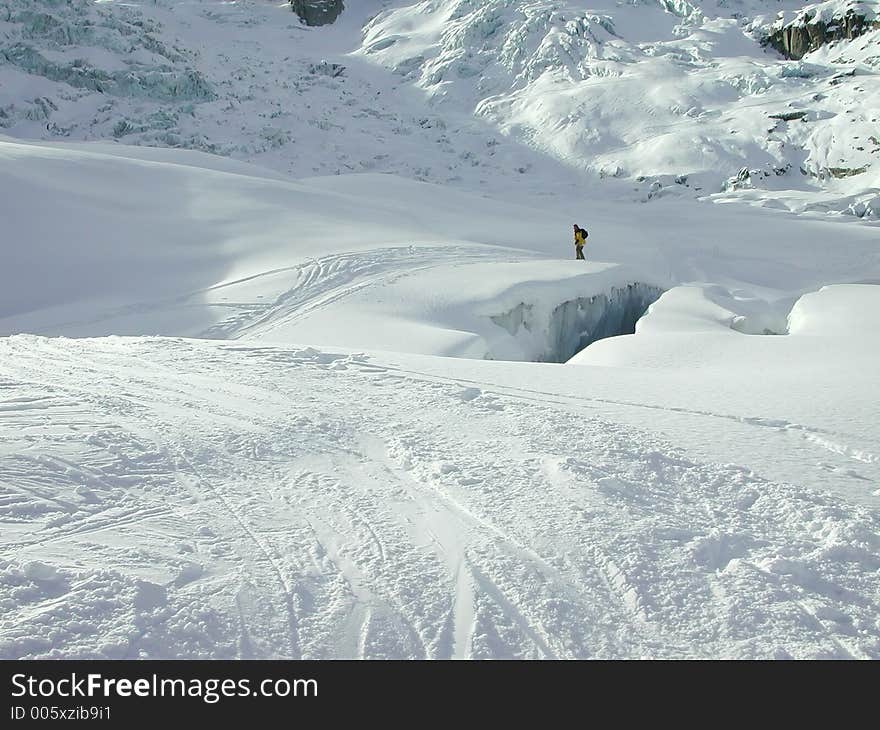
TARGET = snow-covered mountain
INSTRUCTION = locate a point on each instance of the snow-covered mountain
(655, 97)
(677, 97)
(245, 80)
(284, 307)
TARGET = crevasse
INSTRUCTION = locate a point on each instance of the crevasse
(557, 333)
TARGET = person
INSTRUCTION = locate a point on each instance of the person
(580, 238)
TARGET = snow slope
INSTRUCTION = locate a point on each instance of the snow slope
(631, 100)
(241, 79)
(354, 260)
(693, 490)
(290, 409)
(664, 98)
(190, 499)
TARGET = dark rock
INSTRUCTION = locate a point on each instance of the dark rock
(842, 76)
(801, 36)
(325, 68)
(789, 116)
(743, 179)
(839, 172)
(317, 12)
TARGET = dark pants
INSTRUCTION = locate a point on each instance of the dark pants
(580, 252)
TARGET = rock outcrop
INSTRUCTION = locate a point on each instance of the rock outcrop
(810, 31)
(317, 12)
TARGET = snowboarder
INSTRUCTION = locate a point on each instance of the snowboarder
(580, 238)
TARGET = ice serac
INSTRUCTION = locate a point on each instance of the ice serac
(556, 334)
(114, 52)
(318, 12)
(818, 25)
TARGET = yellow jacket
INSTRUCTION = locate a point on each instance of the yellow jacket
(579, 238)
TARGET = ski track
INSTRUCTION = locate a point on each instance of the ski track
(338, 511)
(824, 439)
(324, 281)
(170, 498)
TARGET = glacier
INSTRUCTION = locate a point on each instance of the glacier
(575, 324)
(296, 361)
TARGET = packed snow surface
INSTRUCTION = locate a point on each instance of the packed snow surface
(302, 409)
(167, 497)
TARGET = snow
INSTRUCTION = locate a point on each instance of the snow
(813, 371)
(660, 98)
(252, 501)
(828, 11)
(301, 397)
(838, 311)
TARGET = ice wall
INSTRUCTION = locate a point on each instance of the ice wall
(545, 333)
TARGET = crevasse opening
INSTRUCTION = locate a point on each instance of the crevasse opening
(558, 333)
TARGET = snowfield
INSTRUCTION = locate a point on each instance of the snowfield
(183, 498)
(296, 362)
